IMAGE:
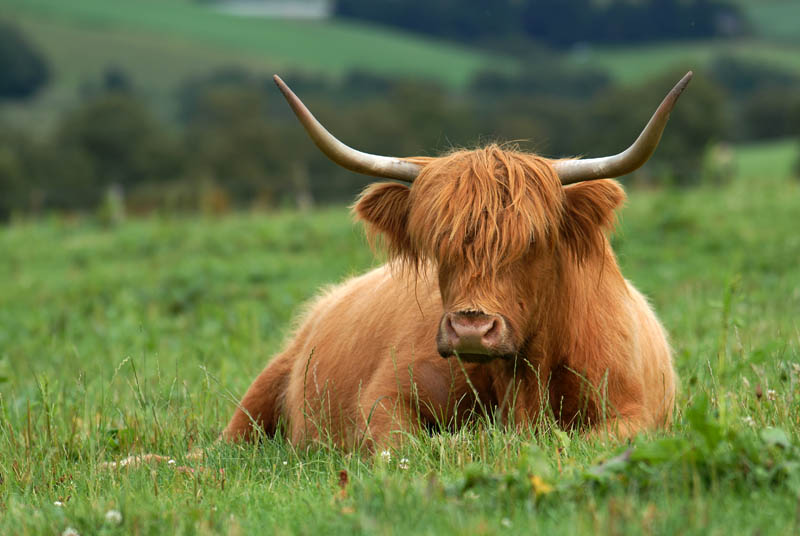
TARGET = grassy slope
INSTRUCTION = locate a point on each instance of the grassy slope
(162, 43)
(330, 47)
(139, 339)
(633, 64)
(775, 40)
(773, 19)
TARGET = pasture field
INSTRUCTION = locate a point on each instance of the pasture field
(773, 19)
(159, 44)
(162, 43)
(140, 338)
(328, 46)
(632, 64)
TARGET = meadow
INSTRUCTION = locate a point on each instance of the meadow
(140, 337)
(160, 44)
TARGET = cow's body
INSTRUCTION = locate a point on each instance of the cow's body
(504, 298)
(363, 363)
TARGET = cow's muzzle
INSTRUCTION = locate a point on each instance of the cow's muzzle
(474, 336)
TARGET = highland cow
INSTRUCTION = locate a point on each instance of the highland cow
(502, 297)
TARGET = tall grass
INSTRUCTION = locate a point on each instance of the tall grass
(141, 337)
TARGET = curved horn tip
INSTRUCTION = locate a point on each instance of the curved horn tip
(280, 83)
(683, 82)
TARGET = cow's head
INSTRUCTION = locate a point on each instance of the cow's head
(493, 222)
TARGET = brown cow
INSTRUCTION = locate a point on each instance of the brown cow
(502, 297)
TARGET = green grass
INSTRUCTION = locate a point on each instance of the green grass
(773, 19)
(774, 39)
(632, 64)
(161, 44)
(331, 47)
(140, 338)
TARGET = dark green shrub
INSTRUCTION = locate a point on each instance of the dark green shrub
(23, 69)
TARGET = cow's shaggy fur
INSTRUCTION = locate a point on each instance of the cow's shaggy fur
(488, 230)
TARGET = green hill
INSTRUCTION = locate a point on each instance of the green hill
(773, 19)
(630, 64)
(161, 43)
(192, 30)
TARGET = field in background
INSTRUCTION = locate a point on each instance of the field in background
(329, 47)
(633, 64)
(159, 44)
(140, 338)
(774, 19)
(774, 40)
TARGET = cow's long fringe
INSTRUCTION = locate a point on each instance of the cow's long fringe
(484, 207)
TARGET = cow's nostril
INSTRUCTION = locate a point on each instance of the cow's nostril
(466, 333)
(483, 327)
(492, 329)
(450, 329)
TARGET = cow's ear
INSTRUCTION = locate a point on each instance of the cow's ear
(589, 213)
(384, 207)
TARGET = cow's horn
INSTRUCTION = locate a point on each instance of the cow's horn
(570, 171)
(347, 157)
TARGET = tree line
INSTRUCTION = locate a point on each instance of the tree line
(558, 23)
(233, 142)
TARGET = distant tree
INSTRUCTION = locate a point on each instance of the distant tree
(233, 145)
(112, 140)
(613, 120)
(561, 80)
(194, 92)
(771, 113)
(454, 19)
(558, 23)
(23, 69)
(116, 79)
(17, 175)
(743, 77)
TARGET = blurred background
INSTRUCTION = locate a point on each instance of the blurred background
(122, 107)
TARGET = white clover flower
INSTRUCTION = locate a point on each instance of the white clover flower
(506, 522)
(748, 420)
(285, 463)
(386, 456)
(114, 517)
(58, 503)
(171, 462)
(771, 394)
(69, 531)
(403, 464)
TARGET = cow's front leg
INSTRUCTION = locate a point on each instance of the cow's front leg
(261, 404)
(621, 423)
(388, 419)
(522, 395)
